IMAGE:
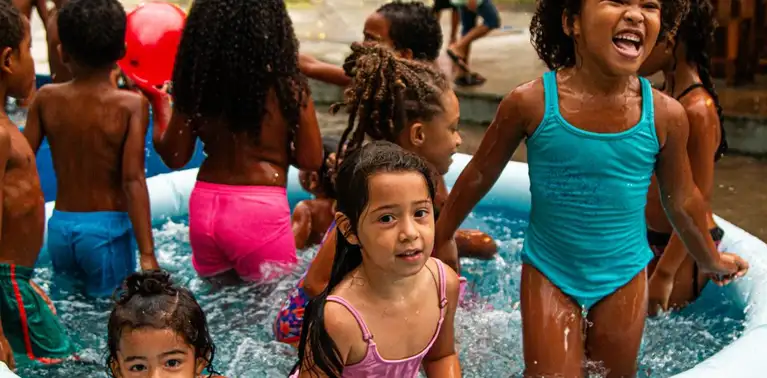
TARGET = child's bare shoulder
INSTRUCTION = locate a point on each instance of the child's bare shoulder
(526, 102)
(667, 109)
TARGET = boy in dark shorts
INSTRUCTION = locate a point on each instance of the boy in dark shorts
(97, 136)
(28, 319)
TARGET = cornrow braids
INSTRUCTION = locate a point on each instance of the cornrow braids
(387, 94)
(557, 49)
(696, 31)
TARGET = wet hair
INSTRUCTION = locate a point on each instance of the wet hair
(92, 32)
(413, 26)
(329, 146)
(696, 32)
(353, 195)
(150, 300)
(387, 94)
(11, 26)
(232, 54)
(557, 49)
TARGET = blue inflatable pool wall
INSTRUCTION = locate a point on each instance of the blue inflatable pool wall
(744, 358)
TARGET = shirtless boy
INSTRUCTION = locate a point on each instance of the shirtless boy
(30, 325)
(97, 137)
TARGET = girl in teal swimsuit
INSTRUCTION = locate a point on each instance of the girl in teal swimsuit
(595, 134)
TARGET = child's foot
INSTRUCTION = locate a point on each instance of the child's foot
(470, 79)
(458, 58)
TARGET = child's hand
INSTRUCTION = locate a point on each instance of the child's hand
(150, 91)
(659, 293)
(732, 263)
(6, 353)
(149, 262)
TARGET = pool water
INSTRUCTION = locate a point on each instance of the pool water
(488, 327)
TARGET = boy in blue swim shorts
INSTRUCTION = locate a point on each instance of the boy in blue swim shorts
(97, 136)
(30, 328)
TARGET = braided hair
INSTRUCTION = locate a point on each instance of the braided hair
(232, 54)
(387, 94)
(557, 49)
(696, 31)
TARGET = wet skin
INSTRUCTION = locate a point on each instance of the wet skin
(22, 207)
(236, 158)
(673, 285)
(97, 136)
(386, 289)
(311, 218)
(602, 95)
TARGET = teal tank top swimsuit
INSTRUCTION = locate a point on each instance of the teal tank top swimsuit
(587, 231)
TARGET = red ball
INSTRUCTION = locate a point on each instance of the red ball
(151, 40)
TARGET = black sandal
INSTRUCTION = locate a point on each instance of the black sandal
(470, 80)
(458, 60)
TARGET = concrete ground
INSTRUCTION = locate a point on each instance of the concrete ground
(506, 58)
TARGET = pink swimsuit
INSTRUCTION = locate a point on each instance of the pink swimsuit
(375, 366)
(241, 228)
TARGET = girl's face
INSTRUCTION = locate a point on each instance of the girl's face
(396, 228)
(155, 353)
(617, 35)
(438, 140)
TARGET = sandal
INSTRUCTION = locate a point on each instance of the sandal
(458, 60)
(470, 80)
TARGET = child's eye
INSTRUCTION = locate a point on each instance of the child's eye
(386, 219)
(138, 368)
(651, 5)
(421, 213)
(173, 363)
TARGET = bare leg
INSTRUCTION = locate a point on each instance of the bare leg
(461, 48)
(617, 324)
(455, 17)
(552, 329)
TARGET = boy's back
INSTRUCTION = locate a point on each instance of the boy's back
(87, 127)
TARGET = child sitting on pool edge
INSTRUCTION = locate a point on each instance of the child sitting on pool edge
(158, 329)
(385, 217)
(29, 322)
(593, 144)
(97, 135)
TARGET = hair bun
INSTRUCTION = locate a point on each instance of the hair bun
(147, 283)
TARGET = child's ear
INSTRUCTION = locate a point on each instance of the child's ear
(417, 134)
(344, 225)
(201, 365)
(571, 24)
(115, 368)
(5, 57)
(62, 55)
(406, 54)
(314, 181)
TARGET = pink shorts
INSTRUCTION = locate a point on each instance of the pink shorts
(241, 228)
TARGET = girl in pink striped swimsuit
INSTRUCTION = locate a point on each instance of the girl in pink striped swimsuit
(389, 307)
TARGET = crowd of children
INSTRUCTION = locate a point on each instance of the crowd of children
(602, 144)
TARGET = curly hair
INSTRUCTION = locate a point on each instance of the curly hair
(150, 300)
(11, 26)
(557, 49)
(696, 32)
(231, 55)
(413, 26)
(387, 94)
(92, 32)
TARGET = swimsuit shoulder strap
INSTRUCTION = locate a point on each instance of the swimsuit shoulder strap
(442, 287)
(690, 89)
(365, 331)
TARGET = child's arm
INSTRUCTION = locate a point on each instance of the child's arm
(683, 202)
(701, 148)
(34, 130)
(134, 184)
(319, 271)
(42, 11)
(500, 141)
(302, 224)
(172, 135)
(308, 141)
(322, 71)
(442, 359)
(342, 328)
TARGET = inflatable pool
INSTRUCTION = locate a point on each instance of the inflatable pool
(169, 195)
